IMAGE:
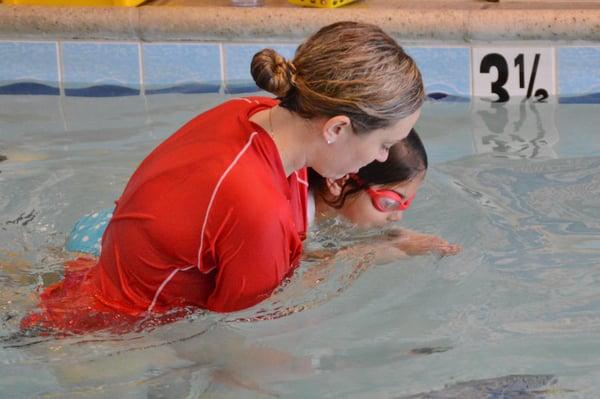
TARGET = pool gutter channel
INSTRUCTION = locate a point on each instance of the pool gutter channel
(449, 22)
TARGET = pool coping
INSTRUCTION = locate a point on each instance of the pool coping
(447, 21)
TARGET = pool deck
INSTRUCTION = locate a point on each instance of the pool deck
(419, 21)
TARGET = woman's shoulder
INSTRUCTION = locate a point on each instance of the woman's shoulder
(224, 120)
(244, 103)
(258, 100)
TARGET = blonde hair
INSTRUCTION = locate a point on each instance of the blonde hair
(346, 68)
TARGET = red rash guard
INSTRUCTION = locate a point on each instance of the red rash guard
(209, 219)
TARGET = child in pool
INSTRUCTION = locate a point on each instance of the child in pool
(379, 194)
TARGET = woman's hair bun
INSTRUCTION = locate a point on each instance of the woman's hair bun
(272, 72)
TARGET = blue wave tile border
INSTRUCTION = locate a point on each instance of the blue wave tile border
(593, 98)
(579, 75)
(29, 88)
(188, 88)
(29, 68)
(446, 71)
(237, 64)
(181, 68)
(440, 96)
(101, 69)
(102, 91)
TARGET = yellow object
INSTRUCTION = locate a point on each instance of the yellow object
(77, 3)
(321, 3)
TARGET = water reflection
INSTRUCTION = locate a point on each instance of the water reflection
(516, 130)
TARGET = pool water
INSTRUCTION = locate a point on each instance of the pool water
(517, 185)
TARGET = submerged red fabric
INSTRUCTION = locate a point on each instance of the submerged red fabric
(209, 219)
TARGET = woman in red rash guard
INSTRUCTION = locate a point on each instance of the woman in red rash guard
(214, 217)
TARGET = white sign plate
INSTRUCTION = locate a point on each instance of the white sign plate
(503, 73)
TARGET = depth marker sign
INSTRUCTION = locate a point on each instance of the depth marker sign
(501, 73)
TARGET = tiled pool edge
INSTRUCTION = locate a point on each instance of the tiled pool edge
(204, 48)
(125, 68)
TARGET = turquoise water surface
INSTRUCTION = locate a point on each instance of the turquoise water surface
(517, 185)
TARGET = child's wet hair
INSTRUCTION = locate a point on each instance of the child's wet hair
(407, 160)
(346, 68)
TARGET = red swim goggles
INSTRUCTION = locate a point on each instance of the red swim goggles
(385, 200)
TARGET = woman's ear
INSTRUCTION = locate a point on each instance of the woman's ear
(336, 186)
(335, 127)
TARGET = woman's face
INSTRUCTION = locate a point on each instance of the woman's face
(350, 152)
(359, 209)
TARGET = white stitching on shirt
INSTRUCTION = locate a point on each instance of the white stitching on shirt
(300, 180)
(214, 194)
(164, 283)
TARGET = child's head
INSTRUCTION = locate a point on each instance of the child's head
(381, 191)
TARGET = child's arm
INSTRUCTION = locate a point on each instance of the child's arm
(391, 245)
(408, 242)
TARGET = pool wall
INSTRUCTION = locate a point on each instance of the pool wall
(101, 52)
(93, 68)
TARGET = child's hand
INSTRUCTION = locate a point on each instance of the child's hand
(421, 244)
